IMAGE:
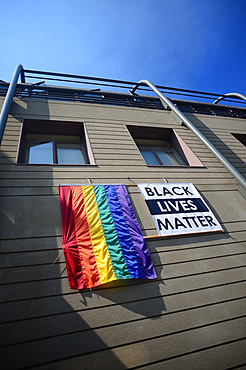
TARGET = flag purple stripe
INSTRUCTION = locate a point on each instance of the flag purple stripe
(138, 240)
(123, 233)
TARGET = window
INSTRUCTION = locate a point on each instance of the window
(162, 147)
(241, 138)
(158, 153)
(54, 142)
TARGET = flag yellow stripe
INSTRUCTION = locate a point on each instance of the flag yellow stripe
(104, 265)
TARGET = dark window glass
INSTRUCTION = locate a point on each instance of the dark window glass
(158, 153)
(162, 146)
(148, 155)
(39, 152)
(54, 142)
(69, 153)
(60, 149)
(241, 138)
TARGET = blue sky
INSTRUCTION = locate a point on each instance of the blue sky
(191, 44)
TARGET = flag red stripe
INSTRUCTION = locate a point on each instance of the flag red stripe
(83, 236)
(69, 241)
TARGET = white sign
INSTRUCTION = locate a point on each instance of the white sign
(178, 209)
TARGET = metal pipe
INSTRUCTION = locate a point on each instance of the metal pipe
(8, 99)
(237, 95)
(181, 118)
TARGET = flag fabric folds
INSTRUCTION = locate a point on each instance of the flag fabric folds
(101, 237)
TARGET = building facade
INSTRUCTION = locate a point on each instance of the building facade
(193, 315)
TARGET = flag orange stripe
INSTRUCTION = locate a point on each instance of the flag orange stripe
(103, 260)
(84, 242)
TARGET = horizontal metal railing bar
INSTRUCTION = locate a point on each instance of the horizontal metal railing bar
(116, 98)
(171, 90)
(83, 82)
(77, 76)
(71, 90)
(124, 87)
(129, 87)
(28, 89)
(167, 92)
(120, 84)
(115, 81)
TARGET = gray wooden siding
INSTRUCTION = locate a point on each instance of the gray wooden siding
(192, 316)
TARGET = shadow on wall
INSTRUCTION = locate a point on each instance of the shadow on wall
(43, 322)
(131, 300)
(232, 157)
(29, 108)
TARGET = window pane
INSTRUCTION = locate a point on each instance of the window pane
(39, 153)
(149, 156)
(168, 157)
(70, 154)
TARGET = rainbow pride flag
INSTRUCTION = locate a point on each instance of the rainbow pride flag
(101, 237)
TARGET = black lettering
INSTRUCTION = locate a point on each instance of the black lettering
(187, 220)
(149, 192)
(176, 187)
(178, 223)
(193, 218)
(210, 220)
(164, 225)
(187, 192)
(202, 221)
(156, 191)
(166, 192)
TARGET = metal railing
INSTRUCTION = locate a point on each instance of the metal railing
(9, 97)
(235, 95)
(96, 96)
(119, 96)
(181, 118)
(119, 85)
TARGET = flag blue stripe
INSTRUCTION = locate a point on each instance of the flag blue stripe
(123, 233)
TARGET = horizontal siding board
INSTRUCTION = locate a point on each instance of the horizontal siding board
(175, 297)
(154, 301)
(38, 257)
(22, 224)
(28, 245)
(130, 322)
(53, 190)
(195, 304)
(38, 243)
(212, 240)
(43, 291)
(180, 171)
(223, 184)
(41, 257)
(179, 344)
(9, 146)
(44, 297)
(115, 167)
(212, 357)
(172, 269)
(225, 356)
(13, 172)
(75, 344)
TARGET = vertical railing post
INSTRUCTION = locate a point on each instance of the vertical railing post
(8, 99)
(181, 118)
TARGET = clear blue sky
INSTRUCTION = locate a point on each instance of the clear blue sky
(192, 44)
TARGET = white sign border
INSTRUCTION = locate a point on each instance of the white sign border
(161, 216)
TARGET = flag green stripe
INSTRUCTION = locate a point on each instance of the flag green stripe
(110, 234)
